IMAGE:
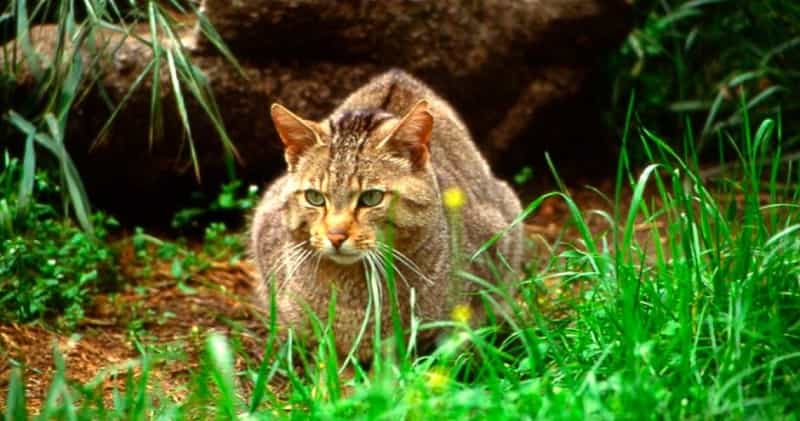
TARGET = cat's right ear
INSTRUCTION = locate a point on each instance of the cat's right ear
(297, 134)
(411, 135)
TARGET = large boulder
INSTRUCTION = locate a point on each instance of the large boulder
(515, 70)
(458, 38)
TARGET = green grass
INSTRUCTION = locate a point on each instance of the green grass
(690, 58)
(697, 319)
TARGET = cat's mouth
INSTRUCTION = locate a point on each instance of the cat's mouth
(344, 257)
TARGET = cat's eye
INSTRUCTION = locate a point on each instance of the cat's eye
(315, 197)
(370, 198)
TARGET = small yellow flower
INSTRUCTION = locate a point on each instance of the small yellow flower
(454, 198)
(414, 397)
(437, 379)
(462, 313)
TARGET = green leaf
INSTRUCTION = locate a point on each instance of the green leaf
(177, 268)
(28, 174)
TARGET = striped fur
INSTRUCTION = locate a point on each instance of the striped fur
(380, 138)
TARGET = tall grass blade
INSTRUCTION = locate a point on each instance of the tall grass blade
(220, 358)
(28, 174)
(23, 36)
(77, 193)
(180, 105)
(16, 409)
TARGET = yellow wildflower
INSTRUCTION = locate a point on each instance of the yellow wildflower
(437, 379)
(414, 397)
(454, 198)
(462, 313)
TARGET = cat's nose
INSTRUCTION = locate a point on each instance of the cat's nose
(337, 236)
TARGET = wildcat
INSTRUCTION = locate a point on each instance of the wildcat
(375, 169)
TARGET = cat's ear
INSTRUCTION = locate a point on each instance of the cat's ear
(297, 134)
(411, 135)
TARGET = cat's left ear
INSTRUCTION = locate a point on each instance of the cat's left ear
(411, 136)
(297, 134)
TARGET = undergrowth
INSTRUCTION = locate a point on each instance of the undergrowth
(697, 318)
(690, 60)
(688, 307)
(49, 267)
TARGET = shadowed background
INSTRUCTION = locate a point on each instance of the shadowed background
(522, 75)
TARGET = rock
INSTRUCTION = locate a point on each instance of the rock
(515, 70)
(458, 38)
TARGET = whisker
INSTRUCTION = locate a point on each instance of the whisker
(378, 262)
(284, 260)
(285, 254)
(403, 277)
(414, 268)
(375, 280)
(295, 265)
(380, 281)
(315, 272)
(299, 260)
(405, 259)
(287, 259)
(382, 267)
(402, 258)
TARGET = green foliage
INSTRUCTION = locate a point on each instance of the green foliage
(691, 59)
(16, 409)
(524, 175)
(60, 80)
(184, 262)
(232, 201)
(54, 142)
(48, 266)
(219, 242)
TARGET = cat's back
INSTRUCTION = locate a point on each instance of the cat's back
(491, 205)
(455, 157)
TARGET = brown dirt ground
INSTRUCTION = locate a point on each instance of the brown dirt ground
(103, 347)
(104, 340)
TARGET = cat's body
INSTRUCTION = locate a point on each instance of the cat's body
(381, 145)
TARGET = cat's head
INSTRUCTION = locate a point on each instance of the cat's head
(356, 174)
